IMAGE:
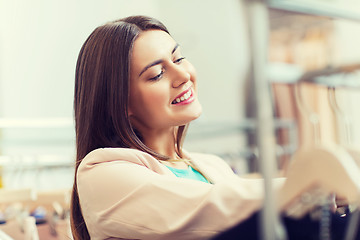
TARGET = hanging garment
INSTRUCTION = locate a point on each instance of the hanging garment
(305, 228)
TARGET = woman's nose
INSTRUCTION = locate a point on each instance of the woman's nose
(180, 76)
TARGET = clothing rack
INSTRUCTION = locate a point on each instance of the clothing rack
(215, 129)
(234, 131)
(17, 204)
(258, 31)
(258, 23)
(20, 163)
(28, 170)
(335, 77)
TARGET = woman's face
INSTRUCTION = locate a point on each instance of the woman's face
(162, 83)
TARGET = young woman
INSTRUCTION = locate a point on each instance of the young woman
(135, 93)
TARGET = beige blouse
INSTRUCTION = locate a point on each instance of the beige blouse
(128, 194)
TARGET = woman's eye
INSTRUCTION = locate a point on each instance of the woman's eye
(157, 77)
(179, 60)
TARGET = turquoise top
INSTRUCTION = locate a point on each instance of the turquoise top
(188, 173)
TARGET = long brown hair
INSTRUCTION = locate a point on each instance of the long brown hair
(102, 96)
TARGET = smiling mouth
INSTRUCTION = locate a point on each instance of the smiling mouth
(183, 97)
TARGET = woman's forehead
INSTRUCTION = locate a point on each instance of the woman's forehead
(153, 38)
(151, 45)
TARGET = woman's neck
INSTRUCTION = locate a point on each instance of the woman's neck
(162, 142)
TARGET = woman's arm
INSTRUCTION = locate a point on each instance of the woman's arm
(127, 200)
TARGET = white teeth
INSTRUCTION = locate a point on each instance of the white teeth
(187, 85)
(183, 97)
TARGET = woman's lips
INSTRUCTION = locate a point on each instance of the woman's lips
(184, 98)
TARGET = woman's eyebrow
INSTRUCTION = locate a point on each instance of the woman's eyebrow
(157, 61)
(176, 47)
(150, 65)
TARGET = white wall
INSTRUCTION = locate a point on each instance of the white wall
(348, 38)
(39, 44)
(40, 41)
(214, 37)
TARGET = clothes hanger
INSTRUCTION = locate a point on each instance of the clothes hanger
(56, 202)
(345, 140)
(346, 76)
(317, 171)
(24, 226)
(345, 134)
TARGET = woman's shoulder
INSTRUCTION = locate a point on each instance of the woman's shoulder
(106, 155)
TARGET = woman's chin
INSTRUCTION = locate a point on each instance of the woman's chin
(196, 112)
(194, 116)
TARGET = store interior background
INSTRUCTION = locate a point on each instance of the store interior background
(40, 41)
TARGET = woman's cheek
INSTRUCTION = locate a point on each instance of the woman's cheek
(158, 96)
